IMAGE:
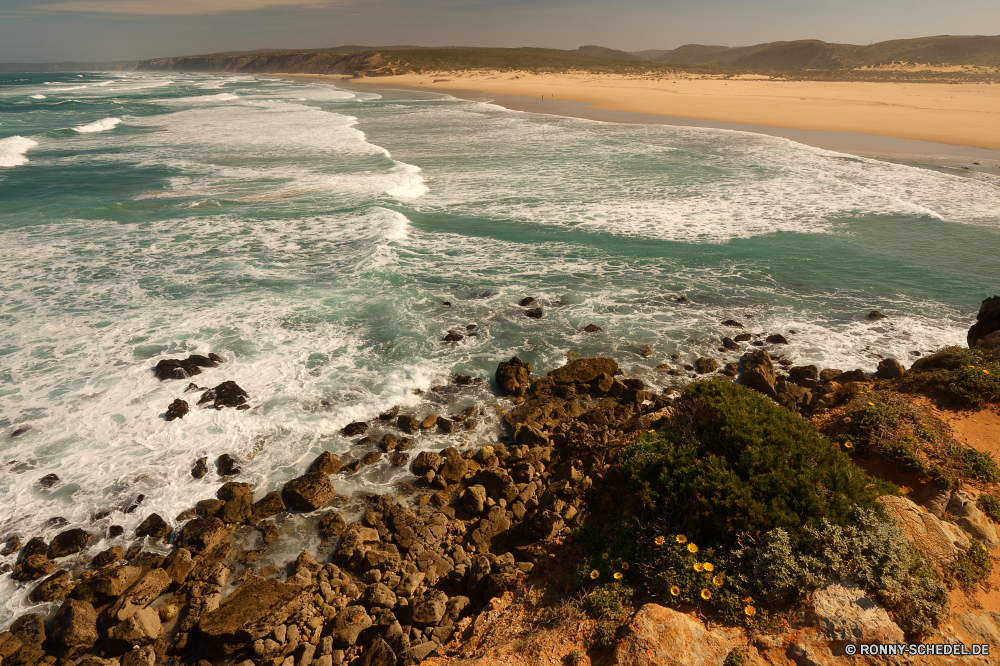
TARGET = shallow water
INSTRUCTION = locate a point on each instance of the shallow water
(309, 235)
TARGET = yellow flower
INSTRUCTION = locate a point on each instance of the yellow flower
(680, 538)
(692, 548)
(675, 590)
(986, 372)
(747, 600)
(706, 593)
(718, 580)
(848, 445)
(604, 556)
(871, 404)
(594, 574)
(624, 566)
(847, 419)
(750, 611)
(709, 567)
(618, 575)
(698, 566)
(659, 540)
(650, 431)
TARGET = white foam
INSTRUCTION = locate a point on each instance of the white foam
(14, 149)
(102, 125)
(68, 89)
(38, 97)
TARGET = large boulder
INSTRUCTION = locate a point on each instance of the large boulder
(142, 628)
(584, 371)
(50, 589)
(347, 625)
(251, 613)
(308, 492)
(201, 534)
(269, 505)
(154, 526)
(665, 637)
(29, 630)
(968, 516)
(513, 377)
(74, 628)
(139, 595)
(238, 498)
(326, 462)
(941, 540)
(69, 542)
(846, 613)
(378, 654)
(429, 609)
(99, 587)
(889, 368)
(182, 368)
(32, 567)
(758, 372)
(987, 321)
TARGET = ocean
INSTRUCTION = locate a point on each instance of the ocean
(310, 236)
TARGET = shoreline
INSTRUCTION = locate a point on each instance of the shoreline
(865, 144)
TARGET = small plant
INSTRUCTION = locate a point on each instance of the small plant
(990, 505)
(604, 635)
(971, 567)
(979, 465)
(610, 601)
(574, 658)
(736, 657)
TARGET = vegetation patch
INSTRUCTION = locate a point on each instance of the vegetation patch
(971, 568)
(966, 378)
(989, 505)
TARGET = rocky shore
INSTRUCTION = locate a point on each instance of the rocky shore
(418, 572)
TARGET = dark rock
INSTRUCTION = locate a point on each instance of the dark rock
(209, 508)
(227, 465)
(429, 609)
(830, 374)
(592, 328)
(200, 468)
(354, 429)
(776, 339)
(74, 628)
(733, 323)
(347, 625)
(250, 613)
(11, 545)
(453, 337)
(389, 443)
(52, 588)
(542, 525)
(889, 368)
(534, 313)
(514, 377)
(743, 337)
(48, 481)
(327, 463)
(987, 321)
(407, 424)
(268, 532)
(226, 394)
(239, 502)
(371, 458)
(154, 526)
(417, 652)
(269, 505)
(446, 426)
(177, 409)
(308, 492)
(758, 372)
(804, 375)
(731, 369)
(989, 344)
(201, 534)
(68, 543)
(176, 368)
(9, 645)
(135, 504)
(389, 414)
(351, 467)
(875, 315)
(856, 375)
(730, 344)
(706, 365)
(399, 459)
(18, 432)
(378, 654)
(115, 531)
(29, 629)
(525, 302)
(426, 461)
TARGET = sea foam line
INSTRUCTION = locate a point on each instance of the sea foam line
(13, 150)
(102, 125)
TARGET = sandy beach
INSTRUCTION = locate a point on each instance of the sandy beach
(847, 116)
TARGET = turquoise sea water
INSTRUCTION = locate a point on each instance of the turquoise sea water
(309, 235)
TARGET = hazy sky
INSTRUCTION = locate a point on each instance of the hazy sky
(94, 30)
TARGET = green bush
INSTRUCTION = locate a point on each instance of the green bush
(971, 567)
(738, 465)
(967, 377)
(990, 505)
(736, 657)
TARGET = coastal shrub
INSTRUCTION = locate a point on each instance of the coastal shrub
(736, 657)
(966, 377)
(976, 464)
(735, 464)
(989, 505)
(970, 568)
(574, 658)
(610, 601)
(604, 635)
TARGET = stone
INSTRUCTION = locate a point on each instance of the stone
(665, 637)
(455, 467)
(428, 610)
(108, 557)
(513, 377)
(347, 625)
(972, 520)
(226, 394)
(227, 465)
(140, 656)
(407, 424)
(730, 344)
(332, 524)
(177, 410)
(534, 313)
(379, 654)
(32, 567)
(209, 508)
(11, 545)
(846, 613)
(141, 628)
(177, 368)
(474, 499)
(429, 422)
(942, 541)
(584, 371)
(201, 534)
(426, 461)
(706, 365)
(106, 584)
(269, 505)
(178, 565)
(371, 458)
(200, 468)
(29, 629)
(776, 339)
(758, 372)
(69, 542)
(378, 596)
(50, 589)
(9, 644)
(74, 628)
(326, 462)
(804, 375)
(453, 336)
(154, 526)
(250, 614)
(732, 323)
(875, 315)
(416, 653)
(592, 328)
(830, 374)
(889, 368)
(139, 595)
(354, 429)
(239, 502)
(308, 492)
